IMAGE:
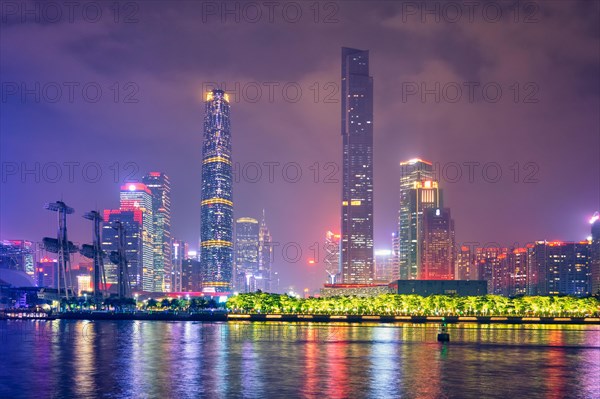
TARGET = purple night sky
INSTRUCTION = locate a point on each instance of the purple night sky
(547, 55)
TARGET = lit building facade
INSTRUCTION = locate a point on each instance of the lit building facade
(216, 231)
(160, 187)
(384, 266)
(179, 252)
(418, 191)
(332, 257)
(265, 256)
(357, 168)
(246, 252)
(132, 222)
(46, 273)
(562, 268)
(437, 245)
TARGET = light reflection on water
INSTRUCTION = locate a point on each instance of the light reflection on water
(139, 359)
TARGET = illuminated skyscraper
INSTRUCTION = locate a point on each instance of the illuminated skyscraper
(595, 254)
(138, 197)
(160, 187)
(437, 245)
(132, 221)
(216, 231)
(332, 257)
(562, 268)
(357, 169)
(246, 252)
(18, 255)
(384, 266)
(265, 256)
(418, 191)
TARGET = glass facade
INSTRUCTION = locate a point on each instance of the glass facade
(216, 231)
(357, 169)
(246, 252)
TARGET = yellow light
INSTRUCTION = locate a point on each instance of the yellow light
(238, 316)
(216, 243)
(499, 318)
(435, 318)
(305, 316)
(337, 317)
(273, 316)
(371, 317)
(226, 97)
(562, 319)
(592, 319)
(467, 318)
(403, 317)
(530, 319)
(355, 202)
(209, 96)
(213, 201)
(217, 159)
(344, 203)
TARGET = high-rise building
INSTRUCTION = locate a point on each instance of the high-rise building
(357, 169)
(133, 197)
(179, 254)
(137, 261)
(46, 272)
(562, 268)
(246, 252)
(216, 231)
(517, 260)
(191, 275)
(384, 266)
(160, 187)
(332, 257)
(418, 191)
(437, 245)
(265, 256)
(465, 264)
(488, 262)
(595, 254)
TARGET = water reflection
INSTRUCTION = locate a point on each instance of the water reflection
(130, 359)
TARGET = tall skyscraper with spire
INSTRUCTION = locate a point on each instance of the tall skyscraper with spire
(216, 231)
(357, 168)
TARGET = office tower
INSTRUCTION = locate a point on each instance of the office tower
(138, 255)
(357, 167)
(396, 254)
(246, 252)
(160, 187)
(265, 256)
(191, 275)
(134, 197)
(18, 255)
(488, 265)
(216, 231)
(595, 254)
(384, 266)
(563, 268)
(418, 191)
(437, 245)
(517, 272)
(179, 254)
(46, 271)
(465, 264)
(332, 257)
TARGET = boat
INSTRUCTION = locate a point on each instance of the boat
(443, 335)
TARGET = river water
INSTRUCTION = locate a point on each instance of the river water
(154, 359)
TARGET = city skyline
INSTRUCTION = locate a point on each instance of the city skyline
(160, 131)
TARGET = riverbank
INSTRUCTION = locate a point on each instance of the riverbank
(221, 316)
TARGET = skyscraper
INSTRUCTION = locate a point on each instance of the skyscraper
(265, 256)
(418, 191)
(595, 254)
(160, 187)
(216, 231)
(384, 266)
(563, 268)
(132, 222)
(437, 245)
(357, 168)
(246, 252)
(138, 197)
(332, 257)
